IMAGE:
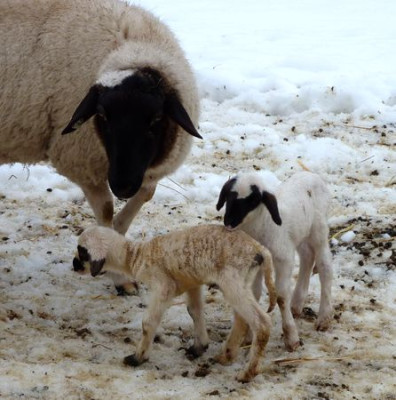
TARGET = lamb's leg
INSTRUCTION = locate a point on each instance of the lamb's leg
(257, 288)
(161, 297)
(234, 340)
(323, 263)
(124, 218)
(244, 304)
(307, 258)
(283, 270)
(195, 303)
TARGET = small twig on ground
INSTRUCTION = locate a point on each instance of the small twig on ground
(177, 184)
(366, 159)
(168, 187)
(303, 166)
(361, 127)
(101, 345)
(308, 359)
(348, 228)
(391, 182)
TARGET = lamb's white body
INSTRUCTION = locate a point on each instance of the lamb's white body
(303, 203)
(181, 262)
(47, 64)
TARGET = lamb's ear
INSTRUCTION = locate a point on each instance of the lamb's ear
(85, 110)
(270, 202)
(174, 109)
(96, 266)
(223, 193)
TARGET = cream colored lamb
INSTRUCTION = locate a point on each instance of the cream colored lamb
(182, 262)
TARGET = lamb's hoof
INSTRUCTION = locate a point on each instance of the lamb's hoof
(293, 345)
(194, 352)
(223, 359)
(323, 324)
(296, 313)
(246, 376)
(128, 289)
(132, 361)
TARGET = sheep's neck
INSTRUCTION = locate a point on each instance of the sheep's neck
(255, 226)
(134, 256)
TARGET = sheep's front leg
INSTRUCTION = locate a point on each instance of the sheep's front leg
(101, 201)
(124, 218)
(195, 303)
(161, 298)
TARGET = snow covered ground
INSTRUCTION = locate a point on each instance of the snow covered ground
(285, 85)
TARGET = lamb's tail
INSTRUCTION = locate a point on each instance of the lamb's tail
(267, 268)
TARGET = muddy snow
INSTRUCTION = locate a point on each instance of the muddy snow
(320, 96)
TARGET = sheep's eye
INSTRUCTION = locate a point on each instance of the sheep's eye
(101, 112)
(156, 119)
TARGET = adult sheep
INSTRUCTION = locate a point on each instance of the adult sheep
(63, 62)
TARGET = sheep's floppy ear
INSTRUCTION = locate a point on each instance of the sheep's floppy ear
(270, 202)
(174, 109)
(96, 266)
(223, 193)
(85, 110)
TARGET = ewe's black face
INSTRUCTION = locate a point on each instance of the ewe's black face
(239, 205)
(131, 124)
(135, 120)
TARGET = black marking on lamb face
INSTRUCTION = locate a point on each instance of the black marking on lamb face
(77, 265)
(309, 193)
(269, 200)
(96, 266)
(224, 193)
(83, 254)
(136, 122)
(238, 208)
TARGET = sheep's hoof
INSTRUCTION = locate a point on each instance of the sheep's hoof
(246, 376)
(128, 289)
(132, 361)
(194, 352)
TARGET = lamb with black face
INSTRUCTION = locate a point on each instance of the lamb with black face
(238, 207)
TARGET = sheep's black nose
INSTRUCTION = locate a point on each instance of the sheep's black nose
(77, 265)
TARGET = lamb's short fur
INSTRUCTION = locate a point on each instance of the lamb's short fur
(182, 262)
(62, 62)
(300, 224)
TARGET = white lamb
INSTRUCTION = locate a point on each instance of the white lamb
(300, 224)
(182, 262)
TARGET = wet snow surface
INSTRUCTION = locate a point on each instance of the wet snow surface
(283, 87)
